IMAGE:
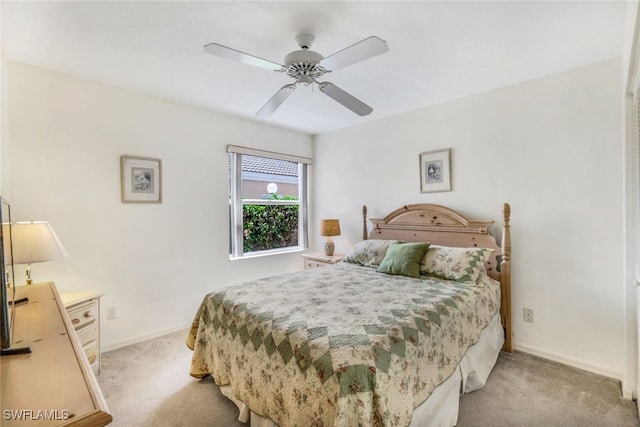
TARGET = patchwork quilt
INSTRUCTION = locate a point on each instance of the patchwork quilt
(341, 345)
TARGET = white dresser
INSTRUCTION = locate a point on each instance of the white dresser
(54, 384)
(83, 308)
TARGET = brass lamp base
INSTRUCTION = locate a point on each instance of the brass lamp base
(27, 274)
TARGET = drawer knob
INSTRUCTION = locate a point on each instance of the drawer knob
(88, 314)
(75, 320)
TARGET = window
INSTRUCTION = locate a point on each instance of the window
(268, 203)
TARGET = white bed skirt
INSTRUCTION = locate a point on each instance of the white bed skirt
(441, 408)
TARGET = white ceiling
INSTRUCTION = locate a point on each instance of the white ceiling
(438, 51)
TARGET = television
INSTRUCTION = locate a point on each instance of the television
(7, 294)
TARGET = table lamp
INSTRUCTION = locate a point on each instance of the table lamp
(328, 228)
(35, 241)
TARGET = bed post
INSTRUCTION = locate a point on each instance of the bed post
(505, 279)
(364, 222)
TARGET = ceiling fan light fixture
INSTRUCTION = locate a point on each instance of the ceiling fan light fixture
(305, 79)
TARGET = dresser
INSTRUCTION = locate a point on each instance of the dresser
(54, 384)
(83, 308)
(319, 259)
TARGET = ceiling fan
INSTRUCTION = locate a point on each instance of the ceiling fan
(306, 66)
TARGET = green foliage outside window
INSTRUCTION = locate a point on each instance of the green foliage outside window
(270, 226)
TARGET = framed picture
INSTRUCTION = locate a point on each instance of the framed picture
(141, 179)
(435, 171)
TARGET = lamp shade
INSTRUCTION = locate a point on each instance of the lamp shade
(329, 227)
(35, 241)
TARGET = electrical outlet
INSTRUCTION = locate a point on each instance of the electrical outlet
(111, 313)
(527, 314)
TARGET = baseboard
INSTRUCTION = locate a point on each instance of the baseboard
(143, 337)
(630, 395)
(576, 363)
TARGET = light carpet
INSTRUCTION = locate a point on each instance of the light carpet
(148, 384)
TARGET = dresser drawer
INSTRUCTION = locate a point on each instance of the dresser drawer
(87, 334)
(83, 314)
(315, 260)
(83, 309)
(91, 350)
(313, 264)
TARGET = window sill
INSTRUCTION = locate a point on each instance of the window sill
(268, 253)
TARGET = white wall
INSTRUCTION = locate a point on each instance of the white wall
(553, 149)
(629, 65)
(154, 262)
(4, 166)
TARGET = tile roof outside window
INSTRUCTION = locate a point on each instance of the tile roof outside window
(268, 166)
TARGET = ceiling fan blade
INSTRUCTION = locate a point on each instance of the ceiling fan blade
(276, 100)
(344, 98)
(364, 49)
(236, 55)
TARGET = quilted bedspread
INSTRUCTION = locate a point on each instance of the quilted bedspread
(341, 345)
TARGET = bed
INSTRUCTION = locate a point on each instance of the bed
(389, 336)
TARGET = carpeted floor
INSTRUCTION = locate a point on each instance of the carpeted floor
(148, 384)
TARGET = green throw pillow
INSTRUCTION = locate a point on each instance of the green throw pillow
(404, 259)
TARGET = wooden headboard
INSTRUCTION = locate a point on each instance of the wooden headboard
(443, 226)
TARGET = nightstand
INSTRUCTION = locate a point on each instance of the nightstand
(83, 308)
(319, 259)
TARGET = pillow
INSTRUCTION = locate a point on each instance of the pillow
(404, 259)
(369, 253)
(459, 264)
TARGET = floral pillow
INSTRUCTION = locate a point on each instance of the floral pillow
(369, 253)
(459, 264)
